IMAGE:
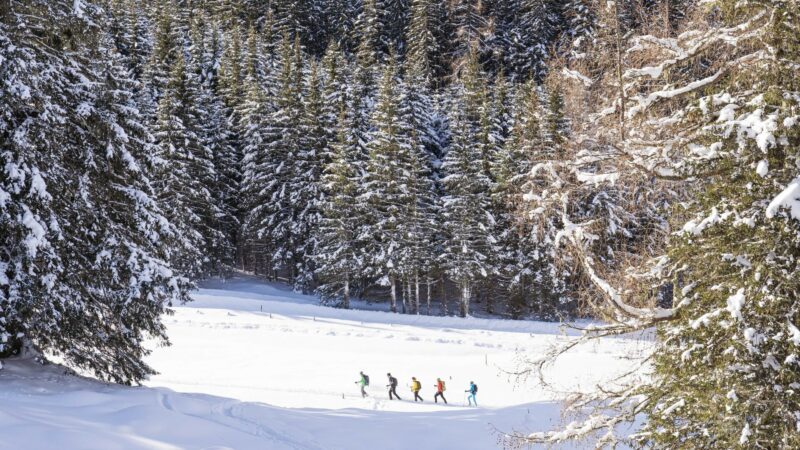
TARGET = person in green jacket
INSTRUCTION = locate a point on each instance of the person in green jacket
(363, 382)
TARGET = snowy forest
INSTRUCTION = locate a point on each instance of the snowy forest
(636, 162)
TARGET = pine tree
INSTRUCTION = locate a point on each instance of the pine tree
(338, 254)
(186, 174)
(82, 274)
(732, 348)
(385, 190)
(257, 178)
(465, 209)
(469, 26)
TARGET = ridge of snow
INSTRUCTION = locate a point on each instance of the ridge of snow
(789, 198)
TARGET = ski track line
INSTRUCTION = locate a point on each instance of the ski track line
(222, 413)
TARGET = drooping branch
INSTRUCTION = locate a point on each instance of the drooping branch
(637, 317)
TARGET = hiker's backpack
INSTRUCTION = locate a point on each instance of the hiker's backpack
(475, 389)
(444, 388)
(366, 380)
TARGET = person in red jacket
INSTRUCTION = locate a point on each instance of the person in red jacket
(440, 387)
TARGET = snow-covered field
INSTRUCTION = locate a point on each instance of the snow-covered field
(254, 366)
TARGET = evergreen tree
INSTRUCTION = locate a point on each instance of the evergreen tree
(215, 136)
(166, 49)
(340, 23)
(367, 54)
(338, 254)
(529, 37)
(386, 192)
(307, 192)
(393, 17)
(732, 348)
(580, 20)
(469, 26)
(186, 174)
(257, 178)
(278, 219)
(82, 271)
(465, 209)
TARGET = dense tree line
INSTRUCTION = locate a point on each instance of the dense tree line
(636, 158)
(379, 164)
(384, 149)
(346, 147)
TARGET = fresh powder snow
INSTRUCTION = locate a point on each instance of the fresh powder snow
(257, 366)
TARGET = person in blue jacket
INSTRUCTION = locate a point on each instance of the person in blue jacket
(473, 389)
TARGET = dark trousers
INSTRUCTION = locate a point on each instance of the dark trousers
(436, 397)
(393, 392)
(416, 396)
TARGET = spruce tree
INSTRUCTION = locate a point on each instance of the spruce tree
(386, 192)
(186, 173)
(257, 179)
(726, 374)
(338, 257)
(465, 209)
(469, 26)
(530, 35)
(307, 192)
(83, 273)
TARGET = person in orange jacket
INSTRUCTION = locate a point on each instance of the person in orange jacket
(440, 387)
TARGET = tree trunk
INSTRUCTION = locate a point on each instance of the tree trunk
(409, 296)
(405, 296)
(394, 295)
(416, 293)
(444, 295)
(667, 24)
(428, 282)
(489, 293)
(620, 81)
(465, 296)
(346, 299)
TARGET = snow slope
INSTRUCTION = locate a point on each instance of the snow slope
(256, 366)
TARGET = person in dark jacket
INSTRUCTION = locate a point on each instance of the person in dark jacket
(439, 391)
(392, 387)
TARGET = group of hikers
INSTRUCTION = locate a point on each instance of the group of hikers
(416, 387)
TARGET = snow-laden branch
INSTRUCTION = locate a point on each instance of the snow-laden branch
(575, 75)
(695, 45)
(647, 101)
(577, 235)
